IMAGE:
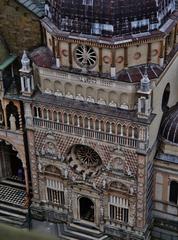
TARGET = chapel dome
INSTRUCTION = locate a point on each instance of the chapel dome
(108, 18)
(4, 53)
(169, 125)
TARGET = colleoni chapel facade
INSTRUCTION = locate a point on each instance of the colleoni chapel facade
(88, 127)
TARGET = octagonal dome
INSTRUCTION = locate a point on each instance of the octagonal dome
(108, 18)
(169, 125)
(4, 53)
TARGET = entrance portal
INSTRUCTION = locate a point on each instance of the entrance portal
(86, 209)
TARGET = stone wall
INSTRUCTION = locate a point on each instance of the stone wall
(19, 27)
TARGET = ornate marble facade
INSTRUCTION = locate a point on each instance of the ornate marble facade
(91, 107)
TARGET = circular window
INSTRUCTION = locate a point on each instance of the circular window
(84, 160)
(85, 56)
(87, 156)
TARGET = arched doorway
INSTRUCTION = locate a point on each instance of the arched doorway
(10, 165)
(87, 211)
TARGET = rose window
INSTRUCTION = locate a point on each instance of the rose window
(84, 160)
(87, 156)
(85, 56)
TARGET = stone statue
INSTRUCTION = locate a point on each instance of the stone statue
(47, 90)
(50, 149)
(58, 93)
(90, 99)
(84, 176)
(66, 173)
(104, 183)
(12, 123)
(112, 104)
(79, 97)
(102, 101)
(124, 106)
(40, 167)
(69, 95)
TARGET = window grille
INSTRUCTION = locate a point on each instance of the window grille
(119, 209)
(55, 191)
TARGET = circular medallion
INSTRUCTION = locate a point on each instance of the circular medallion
(137, 55)
(85, 56)
(154, 52)
(120, 59)
(106, 59)
(65, 53)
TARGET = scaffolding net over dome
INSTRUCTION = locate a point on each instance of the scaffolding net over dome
(108, 18)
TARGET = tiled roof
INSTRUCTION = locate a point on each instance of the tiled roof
(34, 6)
(42, 57)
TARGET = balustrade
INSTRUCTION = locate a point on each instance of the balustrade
(90, 133)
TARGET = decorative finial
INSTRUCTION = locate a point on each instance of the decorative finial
(145, 81)
(25, 62)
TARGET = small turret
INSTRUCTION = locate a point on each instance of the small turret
(25, 62)
(145, 82)
(144, 97)
(26, 76)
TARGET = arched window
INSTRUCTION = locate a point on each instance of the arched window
(173, 194)
(55, 191)
(136, 132)
(108, 127)
(50, 114)
(96, 125)
(130, 130)
(65, 118)
(91, 123)
(75, 120)
(55, 116)
(118, 209)
(124, 130)
(80, 121)
(165, 98)
(39, 112)
(70, 119)
(102, 125)
(45, 113)
(86, 122)
(35, 111)
(113, 128)
(118, 129)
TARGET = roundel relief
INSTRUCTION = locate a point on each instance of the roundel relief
(84, 160)
(120, 59)
(65, 53)
(137, 55)
(106, 59)
(85, 56)
(154, 52)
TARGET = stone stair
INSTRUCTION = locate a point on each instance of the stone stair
(78, 231)
(12, 201)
